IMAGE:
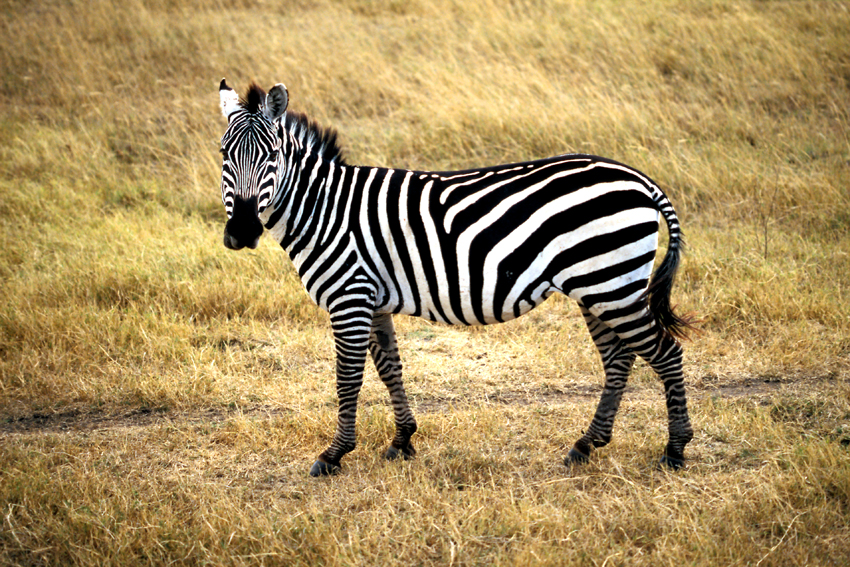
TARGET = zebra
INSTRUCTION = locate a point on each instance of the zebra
(472, 247)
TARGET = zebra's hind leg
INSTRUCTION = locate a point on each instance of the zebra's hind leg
(666, 360)
(384, 349)
(617, 361)
(638, 330)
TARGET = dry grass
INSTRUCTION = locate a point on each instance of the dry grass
(162, 398)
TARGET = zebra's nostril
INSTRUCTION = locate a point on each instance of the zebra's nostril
(230, 243)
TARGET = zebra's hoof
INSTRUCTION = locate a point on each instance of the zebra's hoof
(576, 457)
(671, 463)
(407, 453)
(321, 468)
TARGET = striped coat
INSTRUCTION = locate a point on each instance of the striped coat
(467, 247)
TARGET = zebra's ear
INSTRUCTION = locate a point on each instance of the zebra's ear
(229, 99)
(276, 102)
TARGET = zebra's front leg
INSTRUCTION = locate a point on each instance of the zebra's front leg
(351, 324)
(617, 361)
(384, 350)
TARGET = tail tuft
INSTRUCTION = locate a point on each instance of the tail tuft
(658, 293)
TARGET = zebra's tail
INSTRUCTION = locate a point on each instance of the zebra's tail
(661, 284)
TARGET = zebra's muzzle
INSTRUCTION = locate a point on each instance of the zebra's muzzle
(234, 244)
(244, 227)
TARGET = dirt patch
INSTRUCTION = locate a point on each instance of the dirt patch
(751, 387)
(80, 420)
(761, 390)
(519, 397)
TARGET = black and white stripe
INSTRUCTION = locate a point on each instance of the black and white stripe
(466, 247)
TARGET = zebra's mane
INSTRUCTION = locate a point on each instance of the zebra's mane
(319, 140)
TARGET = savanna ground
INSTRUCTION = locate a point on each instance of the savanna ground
(162, 398)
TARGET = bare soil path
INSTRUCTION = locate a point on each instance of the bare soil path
(82, 419)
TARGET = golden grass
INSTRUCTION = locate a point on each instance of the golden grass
(161, 398)
(231, 489)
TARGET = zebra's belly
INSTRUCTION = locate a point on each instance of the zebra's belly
(462, 309)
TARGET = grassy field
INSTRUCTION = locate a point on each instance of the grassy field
(162, 398)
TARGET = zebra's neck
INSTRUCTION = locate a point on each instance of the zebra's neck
(309, 195)
(305, 148)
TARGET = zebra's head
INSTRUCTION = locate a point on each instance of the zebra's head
(250, 149)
